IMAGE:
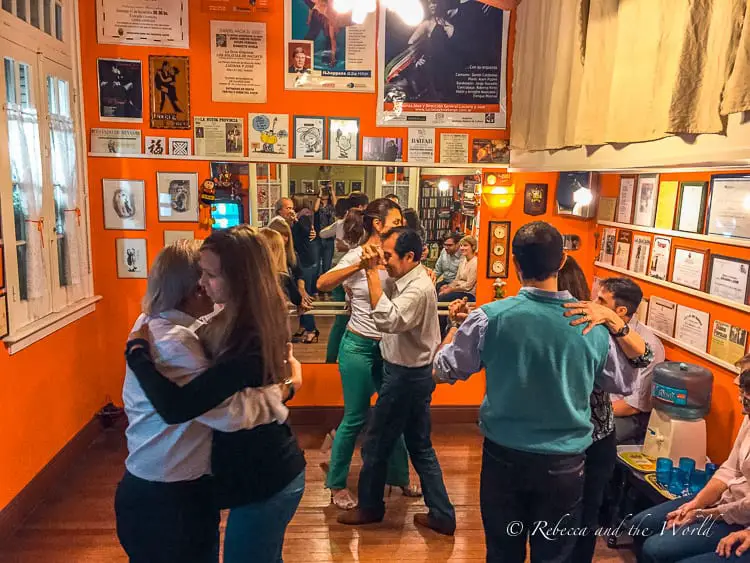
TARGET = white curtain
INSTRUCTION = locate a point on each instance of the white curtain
(64, 176)
(25, 159)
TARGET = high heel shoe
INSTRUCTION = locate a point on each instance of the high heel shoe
(311, 337)
(344, 501)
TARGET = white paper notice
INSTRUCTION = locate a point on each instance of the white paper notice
(454, 148)
(219, 136)
(143, 22)
(421, 145)
(692, 327)
(238, 61)
(116, 141)
(662, 315)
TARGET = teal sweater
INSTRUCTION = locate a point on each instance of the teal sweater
(540, 374)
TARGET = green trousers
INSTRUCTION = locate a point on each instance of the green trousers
(361, 369)
(337, 329)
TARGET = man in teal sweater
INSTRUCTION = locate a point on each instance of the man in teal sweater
(535, 417)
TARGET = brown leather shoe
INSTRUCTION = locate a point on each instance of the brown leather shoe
(359, 517)
(441, 527)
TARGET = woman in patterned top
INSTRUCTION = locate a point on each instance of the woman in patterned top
(602, 453)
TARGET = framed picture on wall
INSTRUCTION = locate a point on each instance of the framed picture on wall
(339, 187)
(343, 138)
(626, 198)
(132, 260)
(729, 212)
(120, 90)
(644, 213)
(309, 137)
(356, 186)
(689, 267)
(308, 186)
(292, 187)
(729, 278)
(169, 92)
(124, 205)
(178, 196)
(691, 207)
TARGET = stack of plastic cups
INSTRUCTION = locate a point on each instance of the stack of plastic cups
(687, 466)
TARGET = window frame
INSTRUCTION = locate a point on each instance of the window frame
(46, 56)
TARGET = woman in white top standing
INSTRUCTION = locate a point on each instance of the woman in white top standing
(360, 362)
(164, 503)
(465, 283)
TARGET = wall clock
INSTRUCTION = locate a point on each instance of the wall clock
(497, 249)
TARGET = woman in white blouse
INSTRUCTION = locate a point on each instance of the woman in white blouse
(724, 505)
(465, 284)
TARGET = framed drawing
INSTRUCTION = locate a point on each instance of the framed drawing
(178, 196)
(691, 207)
(535, 199)
(729, 278)
(498, 249)
(644, 213)
(343, 138)
(626, 198)
(180, 146)
(729, 210)
(124, 205)
(308, 186)
(689, 267)
(356, 186)
(339, 187)
(309, 137)
(132, 260)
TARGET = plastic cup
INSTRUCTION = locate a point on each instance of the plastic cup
(697, 481)
(677, 483)
(664, 471)
(687, 464)
(710, 470)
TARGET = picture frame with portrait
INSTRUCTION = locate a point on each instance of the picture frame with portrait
(124, 205)
(178, 196)
(132, 258)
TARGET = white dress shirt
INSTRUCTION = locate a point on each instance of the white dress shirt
(182, 452)
(640, 397)
(407, 316)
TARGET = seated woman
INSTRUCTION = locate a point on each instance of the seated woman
(465, 283)
(674, 526)
(259, 473)
(164, 506)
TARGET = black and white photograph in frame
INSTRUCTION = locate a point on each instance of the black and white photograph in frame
(729, 210)
(180, 146)
(339, 187)
(307, 186)
(124, 205)
(120, 90)
(356, 186)
(132, 259)
(343, 138)
(156, 146)
(178, 196)
(644, 212)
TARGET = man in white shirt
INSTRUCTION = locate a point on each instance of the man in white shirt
(624, 296)
(284, 208)
(406, 314)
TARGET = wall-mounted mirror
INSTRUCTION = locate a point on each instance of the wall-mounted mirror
(577, 194)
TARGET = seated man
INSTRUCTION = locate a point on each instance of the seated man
(446, 266)
(623, 296)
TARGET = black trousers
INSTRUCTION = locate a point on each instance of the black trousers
(525, 496)
(167, 522)
(601, 457)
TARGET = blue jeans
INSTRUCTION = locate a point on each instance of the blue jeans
(667, 546)
(403, 407)
(255, 532)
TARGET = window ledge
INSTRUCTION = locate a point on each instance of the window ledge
(41, 328)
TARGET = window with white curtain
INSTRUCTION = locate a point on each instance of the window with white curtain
(43, 202)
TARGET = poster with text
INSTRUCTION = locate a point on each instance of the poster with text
(324, 50)
(120, 90)
(238, 61)
(421, 145)
(268, 134)
(170, 92)
(143, 22)
(116, 141)
(447, 71)
(219, 136)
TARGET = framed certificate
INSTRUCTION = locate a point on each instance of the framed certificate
(662, 315)
(729, 278)
(692, 327)
(659, 264)
(625, 199)
(689, 267)
(645, 200)
(729, 211)
(691, 207)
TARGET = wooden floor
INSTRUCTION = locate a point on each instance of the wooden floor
(77, 523)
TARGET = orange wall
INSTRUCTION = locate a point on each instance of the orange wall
(726, 415)
(322, 387)
(50, 391)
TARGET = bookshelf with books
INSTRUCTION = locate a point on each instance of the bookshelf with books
(435, 209)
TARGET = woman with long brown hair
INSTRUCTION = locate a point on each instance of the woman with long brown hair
(259, 473)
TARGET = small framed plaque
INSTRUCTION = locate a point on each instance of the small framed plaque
(691, 207)
(689, 267)
(729, 278)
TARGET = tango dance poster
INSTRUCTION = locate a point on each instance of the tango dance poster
(238, 61)
(170, 94)
(448, 71)
(324, 50)
(120, 90)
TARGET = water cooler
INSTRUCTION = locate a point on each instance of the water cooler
(681, 397)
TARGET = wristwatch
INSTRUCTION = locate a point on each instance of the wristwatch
(289, 384)
(624, 331)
